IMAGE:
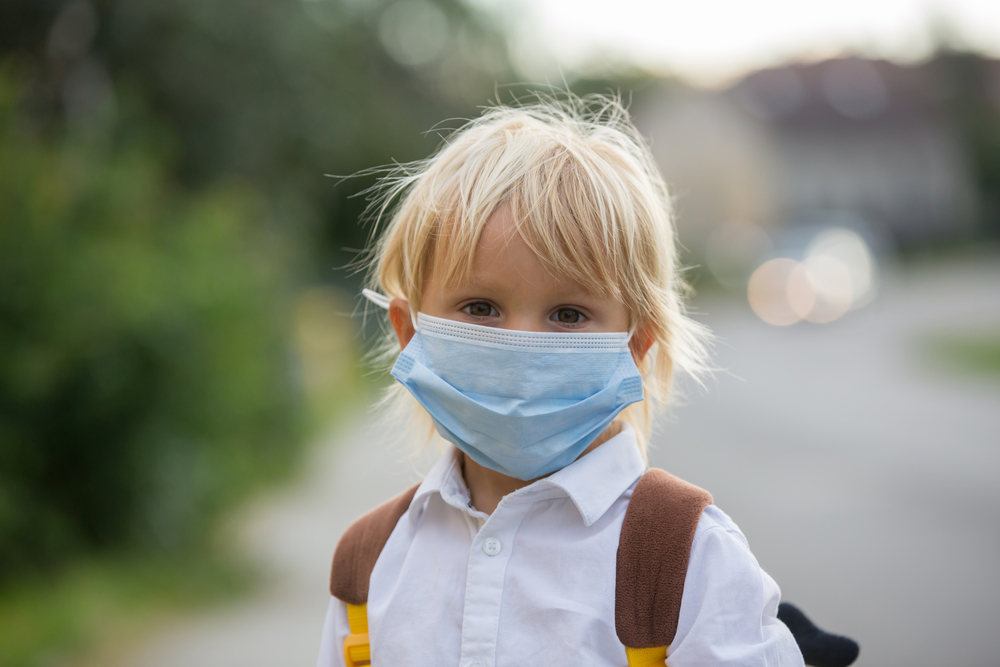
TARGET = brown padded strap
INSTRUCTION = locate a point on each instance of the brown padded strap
(653, 554)
(360, 546)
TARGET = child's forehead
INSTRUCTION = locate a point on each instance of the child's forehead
(496, 278)
(503, 252)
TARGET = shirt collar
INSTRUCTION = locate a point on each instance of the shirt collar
(593, 482)
(445, 478)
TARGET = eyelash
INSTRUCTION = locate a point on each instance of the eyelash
(582, 318)
(553, 318)
(466, 309)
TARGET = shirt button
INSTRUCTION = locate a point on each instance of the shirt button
(491, 546)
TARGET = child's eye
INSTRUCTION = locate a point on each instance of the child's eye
(568, 316)
(480, 309)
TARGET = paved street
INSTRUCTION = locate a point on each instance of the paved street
(865, 478)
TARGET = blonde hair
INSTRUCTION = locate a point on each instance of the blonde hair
(587, 198)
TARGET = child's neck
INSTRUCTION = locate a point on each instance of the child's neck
(488, 487)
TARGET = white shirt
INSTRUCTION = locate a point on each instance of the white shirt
(534, 583)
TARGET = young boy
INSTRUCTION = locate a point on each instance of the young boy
(538, 321)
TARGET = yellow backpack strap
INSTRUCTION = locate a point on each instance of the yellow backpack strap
(653, 552)
(357, 650)
(353, 562)
(646, 657)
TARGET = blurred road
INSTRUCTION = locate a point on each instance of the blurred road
(865, 479)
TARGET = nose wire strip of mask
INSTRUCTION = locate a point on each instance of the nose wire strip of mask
(546, 340)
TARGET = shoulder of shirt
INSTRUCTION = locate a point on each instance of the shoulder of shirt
(714, 521)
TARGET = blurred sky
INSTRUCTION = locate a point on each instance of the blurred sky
(712, 42)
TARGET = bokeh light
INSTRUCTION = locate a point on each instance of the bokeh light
(852, 252)
(832, 287)
(777, 293)
(837, 274)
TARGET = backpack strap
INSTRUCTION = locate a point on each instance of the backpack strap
(360, 545)
(353, 562)
(653, 553)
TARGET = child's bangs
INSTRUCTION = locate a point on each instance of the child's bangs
(570, 211)
(572, 220)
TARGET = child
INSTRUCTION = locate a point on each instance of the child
(532, 270)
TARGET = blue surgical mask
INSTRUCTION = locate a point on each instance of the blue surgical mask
(522, 403)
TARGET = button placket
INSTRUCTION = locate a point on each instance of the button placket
(484, 584)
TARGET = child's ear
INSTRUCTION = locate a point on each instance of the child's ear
(641, 341)
(399, 316)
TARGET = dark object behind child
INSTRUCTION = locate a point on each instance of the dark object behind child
(819, 648)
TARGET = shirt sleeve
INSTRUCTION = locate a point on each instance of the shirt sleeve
(729, 606)
(335, 629)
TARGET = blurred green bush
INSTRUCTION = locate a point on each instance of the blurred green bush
(168, 308)
(145, 380)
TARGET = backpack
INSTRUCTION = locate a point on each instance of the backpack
(653, 552)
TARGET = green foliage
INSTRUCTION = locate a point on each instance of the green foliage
(144, 377)
(95, 606)
(970, 101)
(276, 92)
(161, 187)
(975, 355)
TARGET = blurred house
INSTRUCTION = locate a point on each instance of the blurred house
(852, 142)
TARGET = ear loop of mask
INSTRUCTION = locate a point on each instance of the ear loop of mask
(382, 301)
